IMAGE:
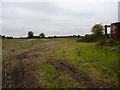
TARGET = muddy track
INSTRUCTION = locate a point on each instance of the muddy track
(21, 77)
(18, 73)
(79, 76)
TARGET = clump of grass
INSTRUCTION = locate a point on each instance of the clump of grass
(63, 51)
(9, 58)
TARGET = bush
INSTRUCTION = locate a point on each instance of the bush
(91, 38)
(101, 43)
(108, 42)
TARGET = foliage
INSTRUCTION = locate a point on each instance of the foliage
(9, 37)
(74, 35)
(91, 38)
(36, 36)
(3, 37)
(78, 36)
(108, 42)
(54, 36)
(42, 35)
(101, 43)
(97, 29)
(30, 34)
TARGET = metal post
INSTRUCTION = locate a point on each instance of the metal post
(106, 31)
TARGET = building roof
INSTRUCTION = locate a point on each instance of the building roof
(116, 23)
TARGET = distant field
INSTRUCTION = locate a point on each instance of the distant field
(58, 63)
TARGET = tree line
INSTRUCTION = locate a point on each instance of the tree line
(31, 35)
(97, 32)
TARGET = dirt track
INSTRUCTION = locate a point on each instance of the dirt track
(20, 76)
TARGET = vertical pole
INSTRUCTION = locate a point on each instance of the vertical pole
(106, 31)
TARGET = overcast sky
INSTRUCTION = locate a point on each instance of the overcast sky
(55, 17)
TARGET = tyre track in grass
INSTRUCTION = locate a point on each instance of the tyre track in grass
(18, 72)
(79, 76)
(21, 77)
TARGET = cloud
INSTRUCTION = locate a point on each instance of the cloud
(119, 11)
(60, 0)
(55, 18)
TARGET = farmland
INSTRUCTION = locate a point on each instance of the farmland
(58, 63)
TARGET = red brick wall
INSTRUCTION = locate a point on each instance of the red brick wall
(115, 31)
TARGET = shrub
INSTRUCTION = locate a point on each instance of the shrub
(79, 40)
(108, 42)
(101, 43)
(91, 38)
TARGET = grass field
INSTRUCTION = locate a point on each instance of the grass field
(58, 63)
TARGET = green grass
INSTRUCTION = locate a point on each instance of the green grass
(53, 78)
(100, 63)
(11, 40)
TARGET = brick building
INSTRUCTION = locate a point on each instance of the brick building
(115, 31)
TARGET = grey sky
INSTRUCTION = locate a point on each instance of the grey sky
(56, 18)
(119, 11)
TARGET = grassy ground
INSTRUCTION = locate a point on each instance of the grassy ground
(58, 63)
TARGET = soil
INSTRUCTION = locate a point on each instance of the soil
(22, 76)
